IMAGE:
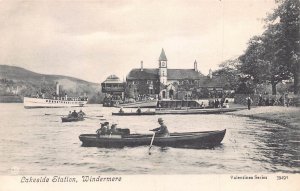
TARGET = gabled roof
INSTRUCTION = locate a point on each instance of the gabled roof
(181, 74)
(146, 74)
(112, 79)
(162, 56)
(173, 74)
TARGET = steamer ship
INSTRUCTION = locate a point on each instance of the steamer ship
(54, 102)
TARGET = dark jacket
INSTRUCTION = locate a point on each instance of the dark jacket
(162, 130)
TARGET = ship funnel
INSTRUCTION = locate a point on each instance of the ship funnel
(57, 88)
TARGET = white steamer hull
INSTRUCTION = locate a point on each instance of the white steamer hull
(50, 103)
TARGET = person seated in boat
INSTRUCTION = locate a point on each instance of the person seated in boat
(139, 110)
(70, 114)
(74, 114)
(121, 110)
(103, 129)
(113, 129)
(161, 131)
(81, 113)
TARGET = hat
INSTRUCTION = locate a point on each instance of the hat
(160, 120)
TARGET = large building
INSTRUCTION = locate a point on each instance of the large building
(166, 83)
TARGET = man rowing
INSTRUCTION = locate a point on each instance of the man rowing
(161, 131)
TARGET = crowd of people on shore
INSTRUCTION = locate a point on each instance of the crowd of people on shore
(266, 101)
(222, 103)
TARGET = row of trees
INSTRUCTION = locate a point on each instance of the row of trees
(271, 57)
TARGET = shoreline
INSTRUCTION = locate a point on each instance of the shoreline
(285, 116)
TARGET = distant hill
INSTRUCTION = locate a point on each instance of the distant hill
(19, 81)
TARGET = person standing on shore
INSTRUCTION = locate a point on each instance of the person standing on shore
(249, 101)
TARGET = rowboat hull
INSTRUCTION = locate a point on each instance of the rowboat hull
(71, 119)
(132, 113)
(30, 103)
(205, 139)
(195, 111)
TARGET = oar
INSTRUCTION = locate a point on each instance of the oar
(91, 118)
(151, 143)
(53, 114)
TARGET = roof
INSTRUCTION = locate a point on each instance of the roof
(181, 74)
(177, 74)
(173, 74)
(146, 74)
(112, 79)
(162, 56)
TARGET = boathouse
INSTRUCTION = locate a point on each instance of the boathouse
(113, 88)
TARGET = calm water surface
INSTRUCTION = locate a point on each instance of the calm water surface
(38, 144)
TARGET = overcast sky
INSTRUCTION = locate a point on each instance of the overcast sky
(93, 39)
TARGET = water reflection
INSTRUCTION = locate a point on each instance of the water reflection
(275, 145)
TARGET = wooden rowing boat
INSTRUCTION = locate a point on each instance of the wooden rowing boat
(71, 119)
(203, 139)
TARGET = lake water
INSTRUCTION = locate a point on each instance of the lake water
(39, 144)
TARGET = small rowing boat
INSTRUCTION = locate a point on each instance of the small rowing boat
(202, 139)
(71, 119)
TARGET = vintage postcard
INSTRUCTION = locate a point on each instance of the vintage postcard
(149, 95)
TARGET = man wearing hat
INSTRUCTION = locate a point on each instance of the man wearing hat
(161, 131)
(104, 128)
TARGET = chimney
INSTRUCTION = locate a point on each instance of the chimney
(210, 73)
(195, 66)
(142, 66)
(57, 88)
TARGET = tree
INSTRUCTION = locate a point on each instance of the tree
(287, 19)
(274, 56)
(264, 61)
(230, 73)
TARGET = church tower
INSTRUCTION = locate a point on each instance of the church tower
(162, 66)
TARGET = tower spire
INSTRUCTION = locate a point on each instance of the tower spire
(162, 56)
(196, 66)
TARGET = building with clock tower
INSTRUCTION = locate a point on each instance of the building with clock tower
(166, 83)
